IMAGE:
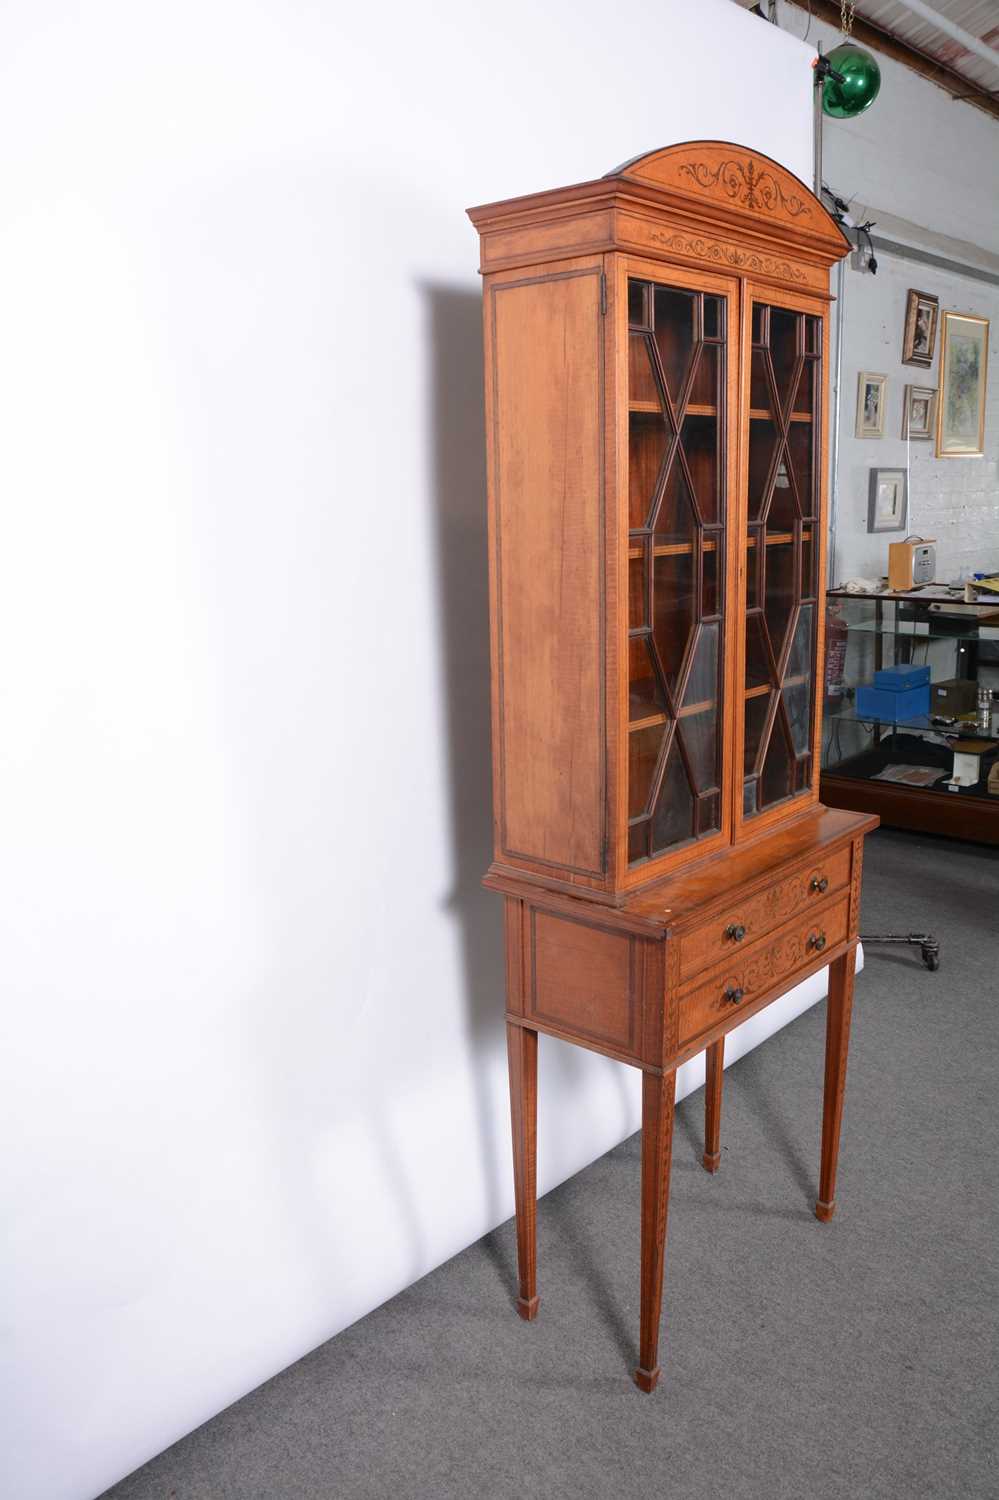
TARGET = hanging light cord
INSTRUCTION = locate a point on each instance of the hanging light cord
(846, 11)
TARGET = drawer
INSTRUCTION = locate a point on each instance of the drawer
(773, 961)
(805, 887)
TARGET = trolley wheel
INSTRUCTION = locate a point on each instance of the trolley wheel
(931, 960)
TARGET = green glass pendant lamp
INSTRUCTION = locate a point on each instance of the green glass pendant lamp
(852, 82)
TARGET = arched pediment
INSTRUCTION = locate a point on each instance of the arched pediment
(737, 180)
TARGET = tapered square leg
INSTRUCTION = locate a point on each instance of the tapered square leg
(838, 1013)
(714, 1061)
(658, 1098)
(522, 1051)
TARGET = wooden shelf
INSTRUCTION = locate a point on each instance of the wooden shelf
(652, 408)
(672, 549)
(778, 539)
(758, 690)
(766, 416)
(644, 711)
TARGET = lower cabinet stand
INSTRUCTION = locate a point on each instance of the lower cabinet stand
(652, 992)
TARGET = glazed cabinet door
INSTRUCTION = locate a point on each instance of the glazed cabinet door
(681, 357)
(783, 530)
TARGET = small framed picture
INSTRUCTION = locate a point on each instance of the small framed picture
(919, 412)
(871, 404)
(919, 340)
(888, 500)
(964, 360)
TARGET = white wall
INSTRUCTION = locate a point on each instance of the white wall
(955, 500)
(254, 1056)
(918, 155)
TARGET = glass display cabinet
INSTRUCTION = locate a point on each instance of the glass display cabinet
(656, 378)
(903, 768)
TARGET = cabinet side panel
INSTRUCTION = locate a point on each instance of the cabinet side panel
(548, 498)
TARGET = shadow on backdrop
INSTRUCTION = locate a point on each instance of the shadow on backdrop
(458, 488)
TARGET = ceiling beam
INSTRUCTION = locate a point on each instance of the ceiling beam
(892, 45)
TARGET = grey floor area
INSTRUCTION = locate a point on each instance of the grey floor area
(800, 1360)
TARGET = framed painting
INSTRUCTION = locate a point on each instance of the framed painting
(887, 500)
(919, 338)
(964, 358)
(871, 404)
(919, 411)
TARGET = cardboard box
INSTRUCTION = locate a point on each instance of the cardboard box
(954, 696)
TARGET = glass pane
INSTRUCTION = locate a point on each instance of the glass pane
(644, 746)
(674, 315)
(806, 385)
(638, 303)
(708, 813)
(749, 806)
(801, 440)
(783, 351)
(714, 318)
(760, 397)
(637, 610)
(798, 707)
(673, 819)
(645, 696)
(643, 385)
(699, 438)
(757, 713)
(702, 683)
(799, 663)
(706, 389)
(762, 443)
(807, 565)
(675, 519)
(754, 563)
(710, 569)
(700, 740)
(775, 783)
(813, 335)
(780, 594)
(638, 841)
(647, 443)
(782, 511)
(759, 323)
(674, 610)
(758, 670)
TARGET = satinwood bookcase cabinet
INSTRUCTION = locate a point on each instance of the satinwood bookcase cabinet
(656, 391)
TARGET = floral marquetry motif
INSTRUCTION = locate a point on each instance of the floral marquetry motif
(719, 253)
(747, 185)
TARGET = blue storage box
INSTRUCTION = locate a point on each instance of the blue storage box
(884, 703)
(898, 679)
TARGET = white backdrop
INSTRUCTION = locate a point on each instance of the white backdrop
(253, 1053)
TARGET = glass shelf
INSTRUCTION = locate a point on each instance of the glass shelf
(906, 632)
(921, 724)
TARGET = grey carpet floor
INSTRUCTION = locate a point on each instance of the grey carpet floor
(855, 1359)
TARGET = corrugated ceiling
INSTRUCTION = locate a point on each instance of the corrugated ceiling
(980, 18)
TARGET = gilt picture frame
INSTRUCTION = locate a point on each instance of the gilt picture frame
(919, 337)
(871, 398)
(964, 362)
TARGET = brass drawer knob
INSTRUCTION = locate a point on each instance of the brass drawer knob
(820, 883)
(733, 995)
(817, 941)
(735, 931)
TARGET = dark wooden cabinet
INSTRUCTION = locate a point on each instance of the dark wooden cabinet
(656, 383)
